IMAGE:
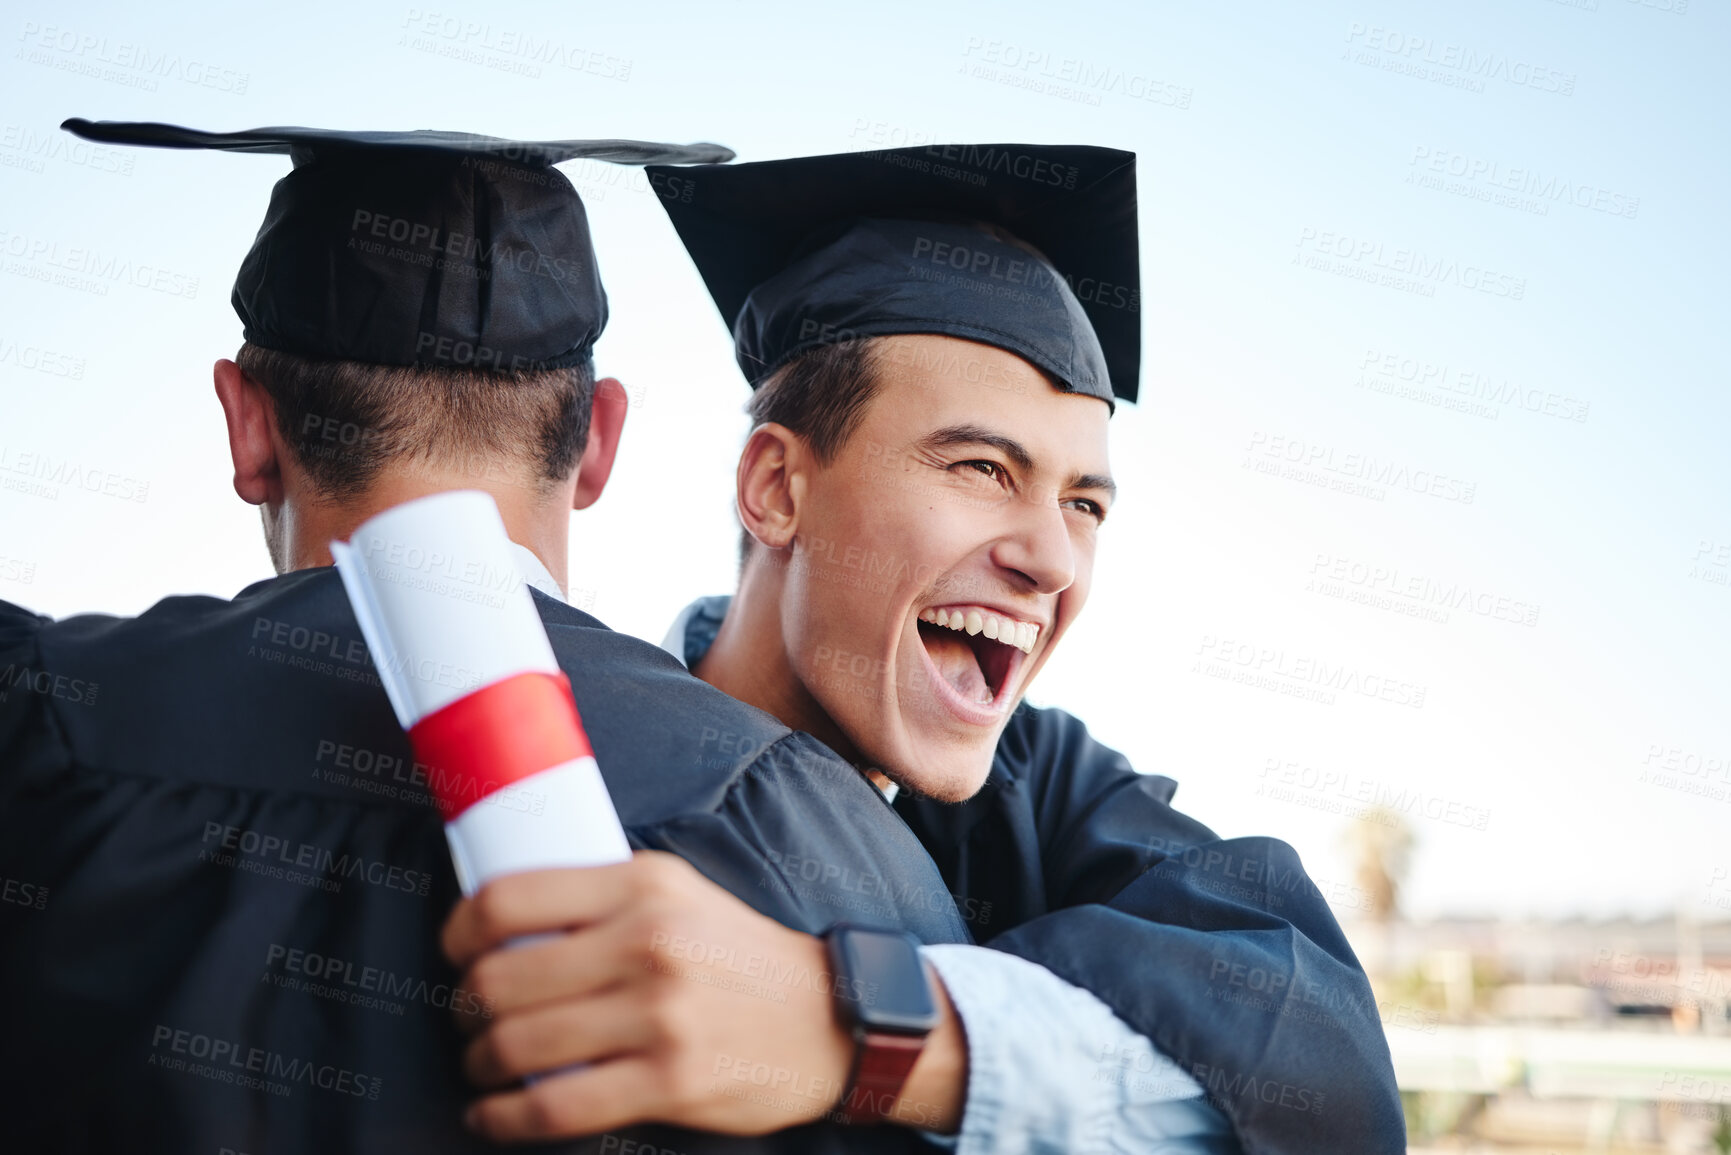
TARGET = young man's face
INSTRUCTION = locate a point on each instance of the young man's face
(969, 496)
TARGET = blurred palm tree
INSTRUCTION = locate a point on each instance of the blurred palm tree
(1381, 845)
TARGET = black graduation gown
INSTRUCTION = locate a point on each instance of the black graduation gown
(223, 884)
(1223, 952)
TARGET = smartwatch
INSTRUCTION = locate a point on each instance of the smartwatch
(883, 994)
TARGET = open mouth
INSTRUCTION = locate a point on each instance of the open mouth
(975, 653)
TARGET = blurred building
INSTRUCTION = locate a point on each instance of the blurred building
(1556, 1037)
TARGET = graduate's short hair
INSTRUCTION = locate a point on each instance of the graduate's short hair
(348, 421)
(822, 396)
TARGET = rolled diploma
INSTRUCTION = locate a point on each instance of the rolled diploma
(466, 662)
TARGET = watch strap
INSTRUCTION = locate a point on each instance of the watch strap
(881, 1065)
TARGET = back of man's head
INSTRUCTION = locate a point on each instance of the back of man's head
(417, 306)
(349, 424)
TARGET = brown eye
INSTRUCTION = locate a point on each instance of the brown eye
(990, 468)
(1092, 508)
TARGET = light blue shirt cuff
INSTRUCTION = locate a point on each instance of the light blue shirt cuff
(1052, 1070)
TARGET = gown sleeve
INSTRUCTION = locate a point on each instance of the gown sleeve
(1223, 952)
(212, 943)
(18, 628)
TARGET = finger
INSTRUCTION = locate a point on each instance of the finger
(585, 1102)
(542, 900)
(548, 1038)
(561, 967)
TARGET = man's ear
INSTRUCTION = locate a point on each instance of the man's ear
(252, 442)
(606, 422)
(771, 484)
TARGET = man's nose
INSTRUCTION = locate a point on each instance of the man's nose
(1038, 545)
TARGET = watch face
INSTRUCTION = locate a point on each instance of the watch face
(884, 982)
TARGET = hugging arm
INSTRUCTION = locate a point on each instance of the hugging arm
(1224, 953)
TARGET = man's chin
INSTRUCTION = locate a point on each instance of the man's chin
(944, 783)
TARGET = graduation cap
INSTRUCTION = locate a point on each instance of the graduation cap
(1031, 248)
(419, 248)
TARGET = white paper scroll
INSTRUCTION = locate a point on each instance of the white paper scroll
(446, 611)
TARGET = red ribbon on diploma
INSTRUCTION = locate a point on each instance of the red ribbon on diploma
(498, 735)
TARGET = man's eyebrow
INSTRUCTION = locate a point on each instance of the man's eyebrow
(953, 435)
(1093, 481)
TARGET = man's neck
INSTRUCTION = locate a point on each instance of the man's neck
(539, 522)
(749, 660)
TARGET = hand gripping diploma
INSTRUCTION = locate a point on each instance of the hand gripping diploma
(642, 990)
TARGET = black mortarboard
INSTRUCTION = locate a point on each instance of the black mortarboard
(419, 248)
(807, 252)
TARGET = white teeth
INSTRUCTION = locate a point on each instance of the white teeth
(1008, 631)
